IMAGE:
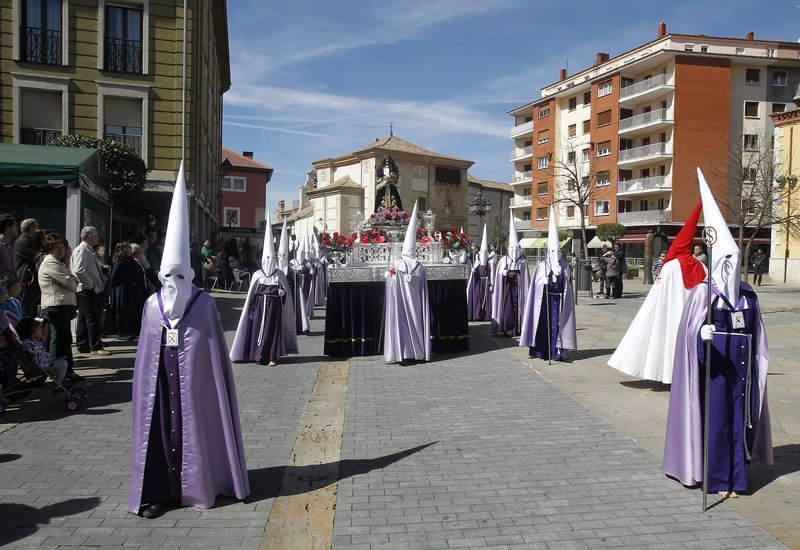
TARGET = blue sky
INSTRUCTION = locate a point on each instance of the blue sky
(318, 78)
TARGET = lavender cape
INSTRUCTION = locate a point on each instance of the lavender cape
(212, 458)
(683, 445)
(567, 336)
(407, 316)
(240, 348)
(500, 308)
(479, 293)
(300, 286)
(320, 281)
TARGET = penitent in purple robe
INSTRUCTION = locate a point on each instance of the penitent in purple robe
(739, 414)
(407, 317)
(508, 297)
(266, 330)
(479, 294)
(320, 281)
(559, 308)
(186, 441)
(299, 280)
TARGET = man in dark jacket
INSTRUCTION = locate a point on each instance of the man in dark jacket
(760, 265)
(619, 253)
(26, 248)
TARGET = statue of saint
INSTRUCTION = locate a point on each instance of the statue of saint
(386, 193)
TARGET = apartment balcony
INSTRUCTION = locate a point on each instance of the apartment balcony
(522, 153)
(520, 201)
(524, 177)
(40, 45)
(644, 186)
(649, 122)
(39, 136)
(646, 90)
(643, 217)
(131, 141)
(523, 224)
(644, 154)
(123, 56)
(522, 129)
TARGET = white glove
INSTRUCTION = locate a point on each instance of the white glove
(707, 332)
(281, 292)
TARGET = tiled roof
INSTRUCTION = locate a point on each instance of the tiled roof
(491, 184)
(304, 212)
(394, 143)
(344, 181)
(240, 161)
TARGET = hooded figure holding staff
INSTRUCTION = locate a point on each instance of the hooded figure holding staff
(510, 287)
(479, 286)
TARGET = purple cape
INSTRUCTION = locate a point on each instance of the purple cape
(239, 349)
(499, 306)
(567, 335)
(407, 316)
(320, 282)
(479, 293)
(213, 459)
(683, 445)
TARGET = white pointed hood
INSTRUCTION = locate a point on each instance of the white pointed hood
(553, 245)
(175, 272)
(312, 253)
(300, 253)
(315, 242)
(268, 259)
(483, 253)
(514, 251)
(283, 249)
(726, 267)
(410, 241)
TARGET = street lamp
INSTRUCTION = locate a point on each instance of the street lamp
(480, 206)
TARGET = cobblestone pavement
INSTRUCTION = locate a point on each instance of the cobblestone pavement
(472, 451)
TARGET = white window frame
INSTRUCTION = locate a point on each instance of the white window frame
(752, 82)
(41, 83)
(545, 139)
(785, 78)
(586, 155)
(703, 48)
(542, 163)
(603, 182)
(419, 173)
(605, 88)
(101, 29)
(603, 152)
(543, 113)
(688, 47)
(231, 189)
(745, 140)
(541, 218)
(770, 52)
(16, 19)
(570, 109)
(739, 50)
(134, 91)
(608, 208)
(225, 210)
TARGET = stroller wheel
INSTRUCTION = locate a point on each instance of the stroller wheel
(73, 404)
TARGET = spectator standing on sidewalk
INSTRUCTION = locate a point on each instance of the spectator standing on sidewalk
(602, 267)
(8, 232)
(59, 287)
(87, 268)
(658, 263)
(26, 247)
(619, 253)
(128, 291)
(760, 265)
(613, 273)
(697, 252)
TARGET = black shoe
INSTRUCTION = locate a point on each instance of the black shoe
(153, 511)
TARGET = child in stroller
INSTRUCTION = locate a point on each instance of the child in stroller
(23, 338)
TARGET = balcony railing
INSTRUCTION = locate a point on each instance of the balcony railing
(644, 85)
(525, 176)
(520, 201)
(524, 152)
(644, 216)
(40, 45)
(522, 128)
(39, 136)
(123, 56)
(656, 115)
(132, 141)
(522, 224)
(634, 153)
(654, 183)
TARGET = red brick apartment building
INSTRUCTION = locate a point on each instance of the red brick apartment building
(244, 190)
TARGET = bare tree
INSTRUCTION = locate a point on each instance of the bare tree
(758, 189)
(575, 185)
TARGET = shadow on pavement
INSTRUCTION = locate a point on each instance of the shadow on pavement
(20, 520)
(267, 483)
(581, 354)
(787, 461)
(646, 385)
(10, 457)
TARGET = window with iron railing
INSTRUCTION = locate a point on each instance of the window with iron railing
(123, 40)
(127, 135)
(40, 31)
(38, 136)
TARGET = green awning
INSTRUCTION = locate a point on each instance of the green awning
(37, 165)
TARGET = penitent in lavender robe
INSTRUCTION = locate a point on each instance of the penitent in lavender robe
(320, 281)
(739, 414)
(266, 328)
(186, 441)
(561, 306)
(299, 279)
(407, 317)
(479, 294)
(508, 297)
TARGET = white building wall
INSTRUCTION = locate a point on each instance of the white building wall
(352, 170)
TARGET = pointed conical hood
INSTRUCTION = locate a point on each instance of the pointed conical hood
(725, 254)
(410, 240)
(483, 253)
(553, 244)
(268, 262)
(283, 249)
(176, 242)
(513, 243)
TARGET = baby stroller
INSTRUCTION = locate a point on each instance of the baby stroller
(33, 375)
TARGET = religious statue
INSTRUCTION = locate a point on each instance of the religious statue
(386, 193)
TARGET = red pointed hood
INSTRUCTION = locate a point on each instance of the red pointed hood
(693, 270)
